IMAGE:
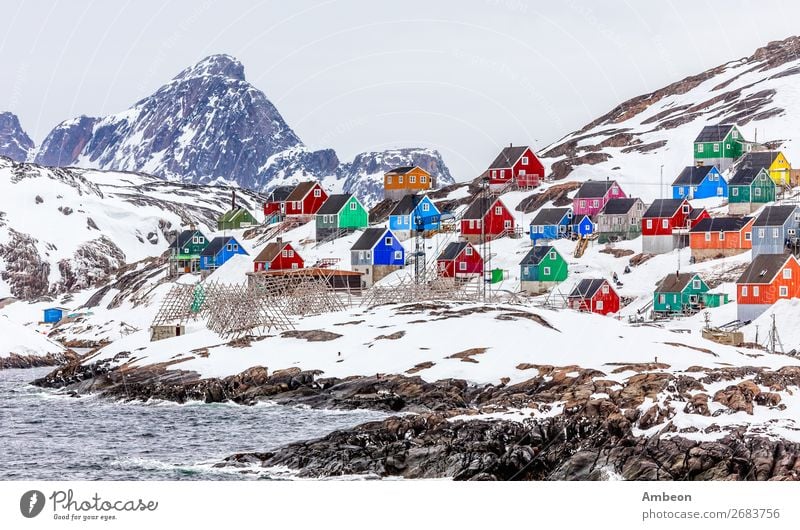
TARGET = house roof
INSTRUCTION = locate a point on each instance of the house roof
(694, 213)
(406, 205)
(476, 209)
(452, 250)
(215, 246)
(280, 193)
(270, 252)
(402, 170)
(369, 238)
(231, 215)
(663, 208)
(301, 190)
(774, 215)
(185, 237)
(759, 159)
(675, 283)
(692, 175)
(714, 133)
(721, 224)
(334, 203)
(536, 255)
(763, 268)
(745, 175)
(508, 156)
(594, 188)
(619, 206)
(550, 216)
(586, 288)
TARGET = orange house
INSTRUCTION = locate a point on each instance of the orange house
(768, 278)
(406, 180)
(718, 237)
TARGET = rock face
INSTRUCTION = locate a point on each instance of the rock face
(208, 124)
(14, 142)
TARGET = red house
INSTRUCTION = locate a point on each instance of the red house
(305, 199)
(768, 278)
(594, 295)
(277, 256)
(519, 164)
(489, 217)
(666, 225)
(460, 259)
(275, 207)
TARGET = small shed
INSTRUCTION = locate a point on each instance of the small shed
(53, 315)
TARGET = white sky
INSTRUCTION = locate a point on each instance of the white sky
(464, 77)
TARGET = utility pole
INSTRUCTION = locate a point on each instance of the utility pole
(484, 243)
(661, 181)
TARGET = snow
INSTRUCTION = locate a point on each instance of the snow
(18, 339)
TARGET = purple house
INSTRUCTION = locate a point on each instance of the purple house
(593, 195)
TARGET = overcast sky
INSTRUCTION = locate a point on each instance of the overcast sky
(464, 77)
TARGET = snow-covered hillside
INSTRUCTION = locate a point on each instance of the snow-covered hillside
(632, 141)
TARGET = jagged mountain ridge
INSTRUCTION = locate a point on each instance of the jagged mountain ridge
(207, 125)
(636, 137)
(14, 142)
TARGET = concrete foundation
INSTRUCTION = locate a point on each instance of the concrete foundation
(743, 208)
(705, 254)
(535, 288)
(662, 244)
(371, 274)
(748, 312)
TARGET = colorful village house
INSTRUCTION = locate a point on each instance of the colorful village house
(699, 182)
(583, 226)
(518, 165)
(377, 253)
(414, 213)
(620, 219)
(305, 199)
(54, 315)
(666, 225)
(185, 252)
(402, 181)
(219, 251)
(720, 237)
(719, 145)
(594, 295)
(489, 218)
(541, 269)
(776, 230)
(593, 195)
(276, 256)
(684, 293)
(275, 207)
(550, 224)
(236, 218)
(341, 214)
(460, 259)
(775, 162)
(750, 188)
(768, 278)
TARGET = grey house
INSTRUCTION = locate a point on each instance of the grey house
(620, 219)
(776, 229)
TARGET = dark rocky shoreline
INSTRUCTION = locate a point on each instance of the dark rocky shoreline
(597, 432)
(15, 360)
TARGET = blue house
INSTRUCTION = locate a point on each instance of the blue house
(699, 182)
(775, 229)
(375, 254)
(413, 212)
(583, 226)
(551, 223)
(54, 314)
(219, 251)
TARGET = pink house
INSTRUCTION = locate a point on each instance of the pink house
(593, 195)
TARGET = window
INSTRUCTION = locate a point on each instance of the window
(784, 291)
(494, 173)
(186, 251)
(735, 134)
(599, 305)
(755, 290)
(699, 148)
(388, 179)
(595, 203)
(353, 205)
(761, 232)
(368, 254)
(665, 223)
(285, 253)
(662, 299)
(498, 210)
(525, 160)
(757, 192)
(472, 223)
(614, 190)
(744, 290)
(291, 253)
(426, 207)
(423, 179)
(721, 236)
(296, 205)
(412, 179)
(775, 232)
(552, 254)
(201, 240)
(719, 191)
(649, 223)
(748, 236)
(695, 284)
(398, 254)
(727, 146)
(229, 247)
(195, 240)
(708, 236)
(361, 255)
(468, 251)
(787, 274)
(507, 224)
(716, 148)
(605, 289)
(387, 241)
(734, 192)
(546, 271)
(680, 192)
(462, 266)
(325, 219)
(521, 172)
(295, 265)
(317, 193)
(686, 209)
(400, 179)
(502, 173)
(235, 247)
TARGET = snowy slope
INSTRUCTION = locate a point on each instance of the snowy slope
(20, 340)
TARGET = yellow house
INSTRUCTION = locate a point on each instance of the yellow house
(773, 161)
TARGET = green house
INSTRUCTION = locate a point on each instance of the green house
(236, 219)
(718, 145)
(749, 189)
(340, 214)
(541, 269)
(686, 293)
(185, 251)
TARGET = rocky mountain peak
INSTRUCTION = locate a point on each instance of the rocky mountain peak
(14, 142)
(220, 65)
